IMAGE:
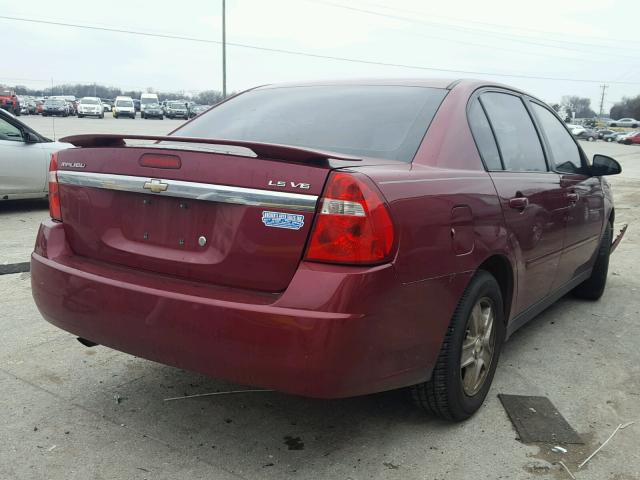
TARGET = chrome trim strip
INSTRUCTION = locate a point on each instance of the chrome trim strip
(193, 190)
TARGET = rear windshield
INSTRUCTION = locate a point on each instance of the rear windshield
(148, 100)
(89, 101)
(124, 103)
(176, 105)
(386, 122)
(54, 102)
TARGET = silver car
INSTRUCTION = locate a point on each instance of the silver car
(24, 159)
(624, 122)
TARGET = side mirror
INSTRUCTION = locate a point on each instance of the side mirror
(603, 165)
(29, 137)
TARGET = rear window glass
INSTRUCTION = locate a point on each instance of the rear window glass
(517, 137)
(484, 137)
(124, 103)
(89, 101)
(373, 121)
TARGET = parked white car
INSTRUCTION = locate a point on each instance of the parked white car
(624, 122)
(90, 106)
(575, 129)
(124, 107)
(24, 159)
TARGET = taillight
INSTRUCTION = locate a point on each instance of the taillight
(54, 195)
(353, 225)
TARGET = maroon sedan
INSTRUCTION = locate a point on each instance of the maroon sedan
(633, 139)
(329, 239)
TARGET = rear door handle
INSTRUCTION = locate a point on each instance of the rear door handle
(519, 203)
(573, 197)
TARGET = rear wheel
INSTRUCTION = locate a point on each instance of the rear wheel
(469, 354)
(593, 287)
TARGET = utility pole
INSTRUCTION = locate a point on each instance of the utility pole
(224, 50)
(603, 87)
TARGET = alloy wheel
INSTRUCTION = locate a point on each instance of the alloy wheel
(478, 346)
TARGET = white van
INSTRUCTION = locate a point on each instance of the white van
(147, 99)
(124, 107)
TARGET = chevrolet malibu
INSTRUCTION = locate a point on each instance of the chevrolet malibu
(329, 239)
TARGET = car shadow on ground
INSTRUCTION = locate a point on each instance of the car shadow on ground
(23, 206)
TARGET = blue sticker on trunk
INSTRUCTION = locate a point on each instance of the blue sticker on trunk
(291, 221)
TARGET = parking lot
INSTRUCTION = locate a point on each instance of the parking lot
(75, 412)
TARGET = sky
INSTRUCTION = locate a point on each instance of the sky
(575, 45)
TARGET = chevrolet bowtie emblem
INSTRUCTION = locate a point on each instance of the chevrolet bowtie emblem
(155, 185)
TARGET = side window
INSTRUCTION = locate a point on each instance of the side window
(9, 132)
(483, 136)
(564, 150)
(515, 133)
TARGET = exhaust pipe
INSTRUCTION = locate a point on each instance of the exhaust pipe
(86, 343)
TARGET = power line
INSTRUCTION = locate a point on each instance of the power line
(546, 32)
(309, 55)
(477, 30)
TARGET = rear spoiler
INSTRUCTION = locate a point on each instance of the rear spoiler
(262, 150)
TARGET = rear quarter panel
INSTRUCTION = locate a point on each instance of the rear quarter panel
(448, 221)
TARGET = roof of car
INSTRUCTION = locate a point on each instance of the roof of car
(414, 82)
(447, 83)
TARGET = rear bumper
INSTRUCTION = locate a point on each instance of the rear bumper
(335, 332)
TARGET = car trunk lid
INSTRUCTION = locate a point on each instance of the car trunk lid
(213, 217)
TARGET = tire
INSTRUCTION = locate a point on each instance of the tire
(635, 125)
(613, 125)
(102, 116)
(447, 394)
(590, 139)
(80, 116)
(609, 139)
(593, 287)
(115, 115)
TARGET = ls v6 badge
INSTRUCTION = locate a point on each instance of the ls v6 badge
(283, 184)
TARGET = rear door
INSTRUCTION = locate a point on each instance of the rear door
(530, 194)
(582, 195)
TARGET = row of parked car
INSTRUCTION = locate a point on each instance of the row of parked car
(148, 105)
(607, 135)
